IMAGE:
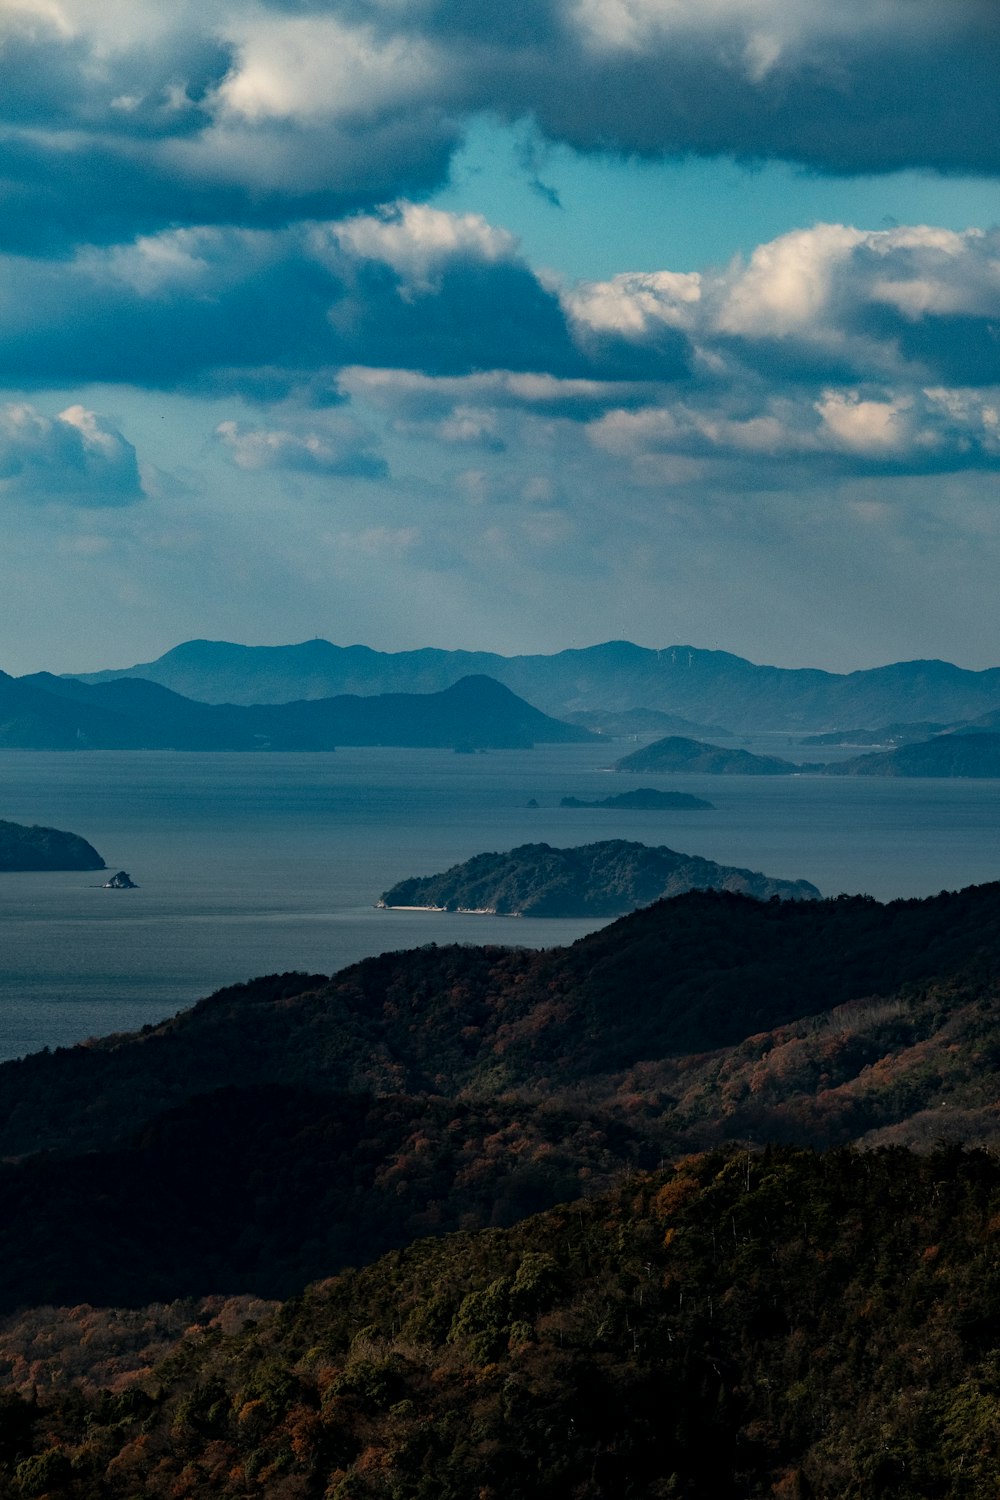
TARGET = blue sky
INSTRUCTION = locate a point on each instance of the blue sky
(415, 322)
(593, 215)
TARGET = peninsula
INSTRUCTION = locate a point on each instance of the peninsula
(971, 754)
(36, 848)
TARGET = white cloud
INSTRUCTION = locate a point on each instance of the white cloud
(634, 303)
(317, 67)
(76, 458)
(814, 284)
(418, 241)
(786, 288)
(344, 447)
(866, 427)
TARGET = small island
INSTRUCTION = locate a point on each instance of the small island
(122, 881)
(606, 879)
(645, 799)
(675, 753)
(24, 847)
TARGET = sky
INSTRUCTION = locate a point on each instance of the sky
(433, 322)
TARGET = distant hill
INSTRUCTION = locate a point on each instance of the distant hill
(37, 848)
(975, 754)
(675, 753)
(605, 879)
(710, 688)
(888, 737)
(632, 721)
(644, 799)
(46, 712)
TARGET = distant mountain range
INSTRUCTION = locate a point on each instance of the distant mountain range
(606, 879)
(43, 712)
(707, 688)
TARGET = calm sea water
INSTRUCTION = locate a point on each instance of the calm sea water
(250, 864)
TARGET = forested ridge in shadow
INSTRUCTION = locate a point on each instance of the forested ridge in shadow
(282, 1129)
(766, 1325)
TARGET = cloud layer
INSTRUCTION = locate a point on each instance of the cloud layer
(218, 212)
(117, 119)
(831, 350)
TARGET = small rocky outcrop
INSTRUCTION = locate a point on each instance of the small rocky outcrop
(121, 881)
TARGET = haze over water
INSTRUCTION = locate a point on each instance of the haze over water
(251, 864)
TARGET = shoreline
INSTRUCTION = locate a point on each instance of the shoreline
(457, 911)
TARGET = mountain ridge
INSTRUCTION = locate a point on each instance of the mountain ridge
(705, 687)
(47, 712)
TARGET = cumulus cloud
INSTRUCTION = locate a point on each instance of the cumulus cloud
(120, 118)
(413, 286)
(420, 243)
(811, 435)
(76, 458)
(861, 348)
(914, 301)
(343, 448)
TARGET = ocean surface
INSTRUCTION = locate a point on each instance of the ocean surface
(251, 864)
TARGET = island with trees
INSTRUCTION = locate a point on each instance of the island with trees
(676, 753)
(31, 847)
(644, 799)
(605, 879)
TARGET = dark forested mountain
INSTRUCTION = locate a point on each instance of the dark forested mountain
(605, 879)
(675, 753)
(58, 713)
(775, 1325)
(708, 687)
(36, 848)
(281, 1129)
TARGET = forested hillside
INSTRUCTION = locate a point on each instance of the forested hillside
(283, 1129)
(744, 1325)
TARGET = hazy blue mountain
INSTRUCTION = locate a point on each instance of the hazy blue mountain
(675, 754)
(33, 719)
(633, 721)
(606, 879)
(36, 848)
(706, 687)
(46, 712)
(888, 737)
(644, 799)
(975, 754)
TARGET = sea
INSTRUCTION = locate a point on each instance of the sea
(251, 864)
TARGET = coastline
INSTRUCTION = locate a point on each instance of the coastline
(461, 911)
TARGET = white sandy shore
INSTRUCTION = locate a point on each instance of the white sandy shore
(460, 911)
